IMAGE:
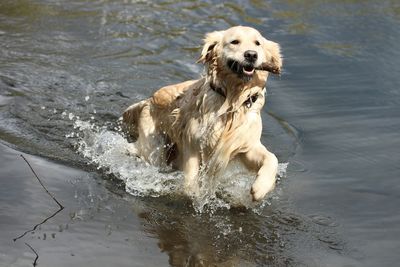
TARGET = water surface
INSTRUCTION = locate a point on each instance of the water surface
(333, 115)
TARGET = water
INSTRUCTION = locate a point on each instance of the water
(107, 150)
(333, 116)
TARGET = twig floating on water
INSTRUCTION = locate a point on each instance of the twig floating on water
(37, 177)
(61, 207)
(37, 225)
(37, 256)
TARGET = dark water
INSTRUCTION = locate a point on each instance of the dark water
(334, 115)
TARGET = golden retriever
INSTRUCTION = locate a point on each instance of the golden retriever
(199, 126)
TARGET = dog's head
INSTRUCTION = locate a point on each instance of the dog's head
(242, 51)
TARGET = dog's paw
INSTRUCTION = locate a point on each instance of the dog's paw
(261, 187)
(192, 191)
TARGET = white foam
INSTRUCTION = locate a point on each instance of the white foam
(108, 151)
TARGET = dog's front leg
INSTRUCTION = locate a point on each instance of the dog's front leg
(191, 165)
(259, 159)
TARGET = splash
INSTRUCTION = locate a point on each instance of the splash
(108, 150)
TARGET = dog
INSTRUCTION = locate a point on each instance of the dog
(199, 126)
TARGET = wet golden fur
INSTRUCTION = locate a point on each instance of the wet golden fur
(205, 123)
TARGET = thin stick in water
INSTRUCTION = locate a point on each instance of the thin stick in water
(61, 207)
(37, 177)
(37, 256)
(37, 225)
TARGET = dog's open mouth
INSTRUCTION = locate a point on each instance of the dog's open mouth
(243, 69)
(248, 70)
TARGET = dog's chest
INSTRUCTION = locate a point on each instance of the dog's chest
(210, 130)
(206, 130)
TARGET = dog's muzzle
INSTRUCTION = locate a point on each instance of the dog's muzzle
(244, 69)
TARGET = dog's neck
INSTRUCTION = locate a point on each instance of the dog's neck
(228, 84)
(234, 91)
(217, 89)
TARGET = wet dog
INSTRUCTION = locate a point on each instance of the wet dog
(199, 126)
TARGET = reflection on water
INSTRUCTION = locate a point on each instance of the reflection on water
(101, 225)
(333, 115)
(235, 238)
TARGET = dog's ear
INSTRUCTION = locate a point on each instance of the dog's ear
(210, 41)
(273, 55)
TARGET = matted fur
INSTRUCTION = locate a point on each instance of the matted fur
(205, 123)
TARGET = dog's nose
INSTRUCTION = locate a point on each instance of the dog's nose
(250, 55)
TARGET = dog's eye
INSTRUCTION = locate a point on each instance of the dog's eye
(257, 43)
(235, 42)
